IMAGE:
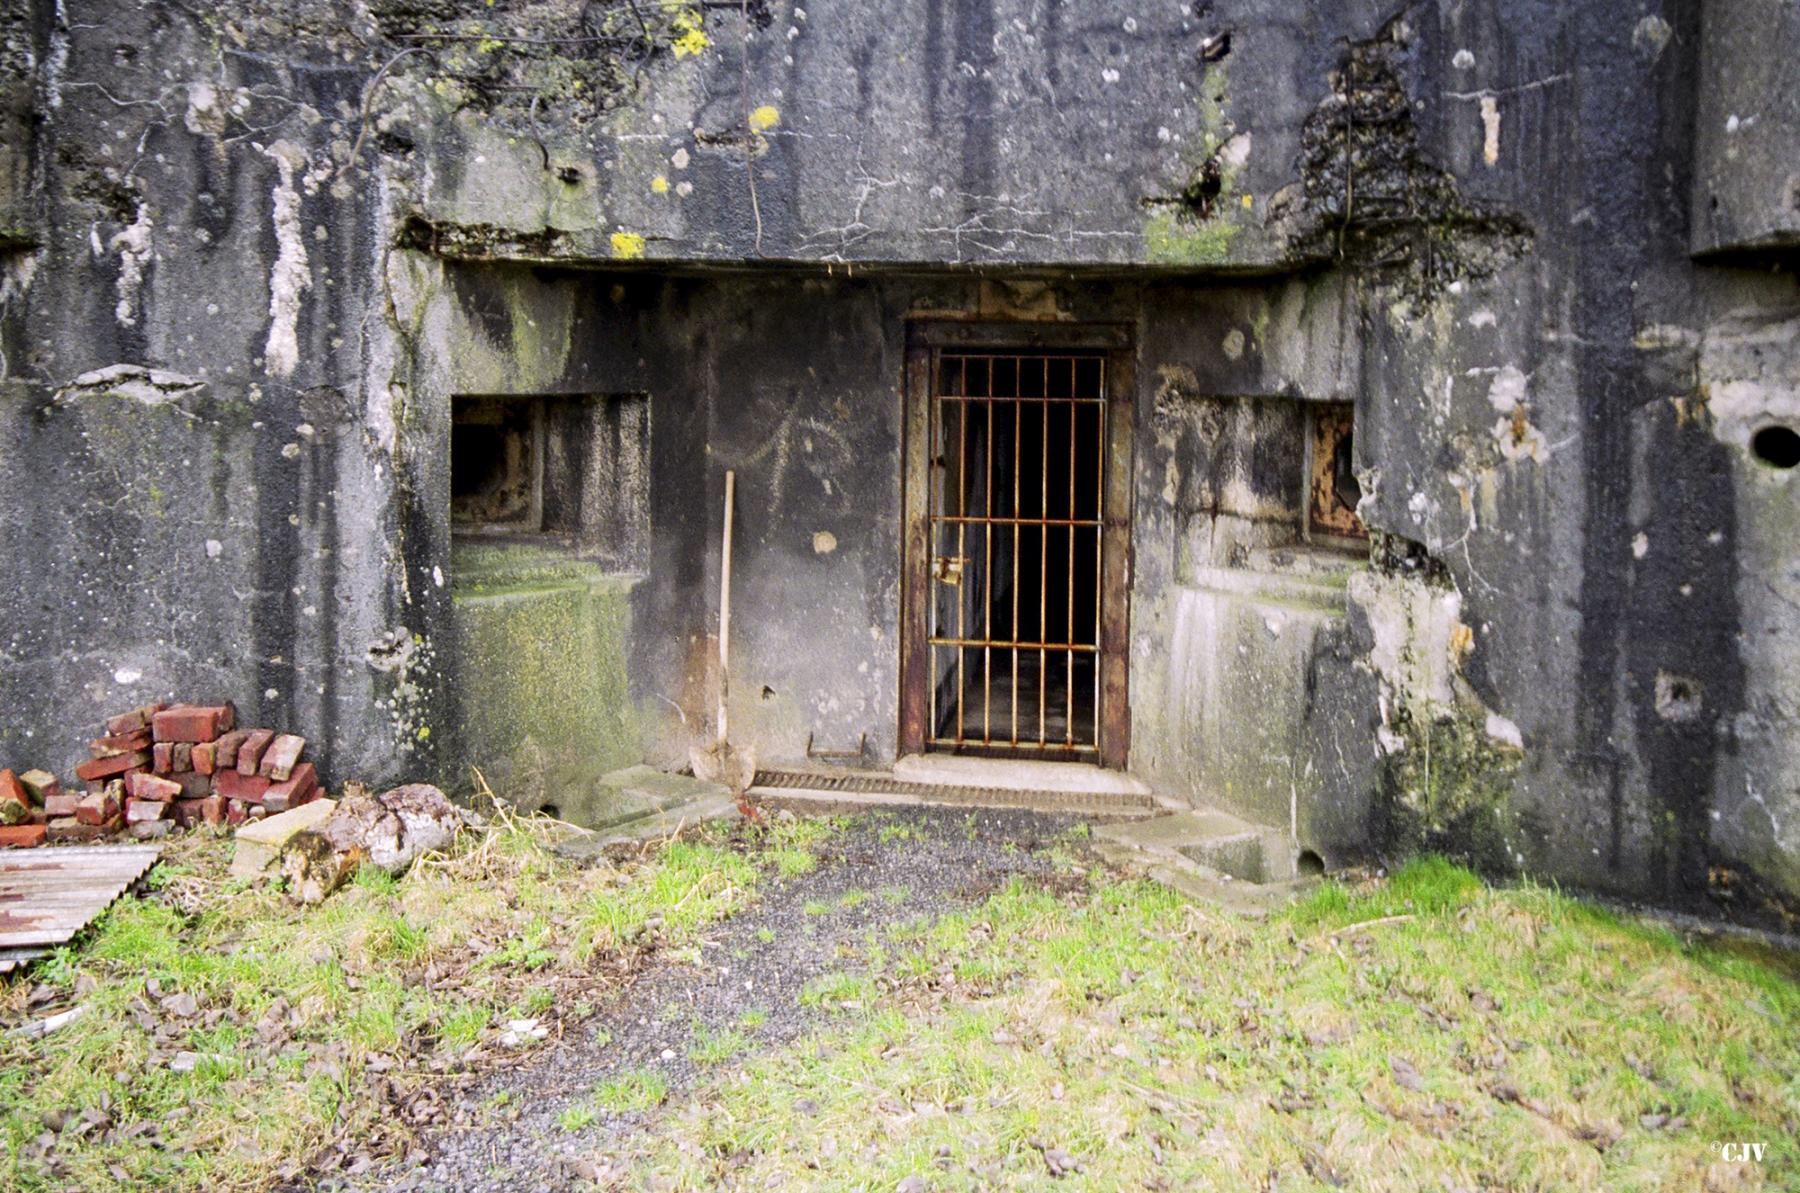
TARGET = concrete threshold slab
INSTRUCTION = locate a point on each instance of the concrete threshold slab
(955, 770)
(798, 797)
(633, 835)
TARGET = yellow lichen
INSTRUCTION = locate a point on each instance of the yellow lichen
(765, 118)
(627, 246)
(660, 185)
(690, 38)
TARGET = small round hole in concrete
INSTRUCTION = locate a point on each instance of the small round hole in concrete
(1310, 864)
(1777, 446)
(551, 810)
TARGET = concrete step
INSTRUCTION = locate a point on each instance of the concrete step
(1210, 855)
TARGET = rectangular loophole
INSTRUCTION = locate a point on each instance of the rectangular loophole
(1332, 489)
(569, 470)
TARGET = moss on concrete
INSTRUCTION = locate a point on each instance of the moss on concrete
(1170, 239)
(542, 677)
(1449, 791)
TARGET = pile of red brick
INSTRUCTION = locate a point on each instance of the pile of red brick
(158, 768)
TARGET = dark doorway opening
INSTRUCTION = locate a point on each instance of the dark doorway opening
(1017, 492)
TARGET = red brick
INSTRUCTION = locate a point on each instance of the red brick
(237, 811)
(194, 785)
(41, 784)
(187, 812)
(148, 830)
(121, 743)
(61, 804)
(249, 755)
(68, 828)
(106, 768)
(205, 753)
(99, 808)
(139, 810)
(279, 759)
(131, 722)
(22, 836)
(15, 802)
(298, 789)
(236, 785)
(192, 722)
(141, 786)
(162, 757)
(225, 755)
(183, 757)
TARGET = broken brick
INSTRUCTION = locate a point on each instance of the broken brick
(140, 810)
(233, 784)
(120, 743)
(278, 761)
(249, 756)
(61, 803)
(68, 828)
(194, 785)
(22, 836)
(141, 786)
(192, 722)
(147, 830)
(136, 719)
(203, 755)
(163, 757)
(183, 757)
(225, 750)
(41, 784)
(237, 811)
(15, 803)
(299, 788)
(101, 807)
(105, 768)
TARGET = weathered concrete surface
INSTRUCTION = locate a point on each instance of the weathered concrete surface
(1747, 128)
(1476, 222)
(541, 649)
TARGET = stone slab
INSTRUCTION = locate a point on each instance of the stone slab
(259, 842)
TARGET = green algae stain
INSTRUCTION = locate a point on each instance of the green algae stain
(1170, 240)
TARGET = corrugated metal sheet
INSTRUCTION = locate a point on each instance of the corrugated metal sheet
(47, 895)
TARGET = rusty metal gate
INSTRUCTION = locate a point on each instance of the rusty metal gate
(1017, 542)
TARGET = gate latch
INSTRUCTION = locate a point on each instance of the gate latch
(948, 569)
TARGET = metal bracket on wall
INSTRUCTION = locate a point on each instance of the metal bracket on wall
(861, 750)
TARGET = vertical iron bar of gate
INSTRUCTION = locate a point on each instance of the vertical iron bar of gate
(935, 479)
(987, 574)
(962, 486)
(1099, 535)
(1069, 616)
(1017, 512)
(1043, 564)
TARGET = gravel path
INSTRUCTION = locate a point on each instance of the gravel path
(934, 860)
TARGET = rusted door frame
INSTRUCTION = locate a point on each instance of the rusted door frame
(925, 338)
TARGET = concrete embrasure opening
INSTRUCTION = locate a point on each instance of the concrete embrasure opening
(1777, 446)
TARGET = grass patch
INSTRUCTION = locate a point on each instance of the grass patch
(1420, 1032)
(292, 1005)
(716, 1047)
(638, 1090)
(574, 1118)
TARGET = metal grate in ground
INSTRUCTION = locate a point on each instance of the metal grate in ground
(1102, 803)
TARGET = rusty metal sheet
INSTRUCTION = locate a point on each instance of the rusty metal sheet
(47, 895)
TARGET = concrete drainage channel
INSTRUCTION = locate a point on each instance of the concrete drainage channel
(881, 789)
